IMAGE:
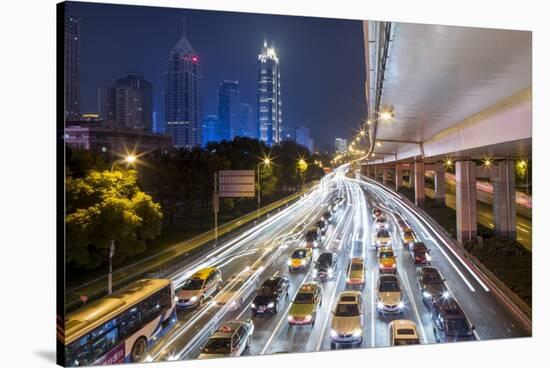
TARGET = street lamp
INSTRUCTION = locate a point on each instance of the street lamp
(266, 161)
(523, 165)
(130, 159)
(302, 167)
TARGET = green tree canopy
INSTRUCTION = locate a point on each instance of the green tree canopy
(105, 205)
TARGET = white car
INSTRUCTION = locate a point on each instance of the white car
(231, 339)
(347, 319)
(403, 332)
(238, 289)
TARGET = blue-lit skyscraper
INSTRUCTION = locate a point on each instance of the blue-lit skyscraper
(210, 129)
(184, 95)
(270, 117)
(248, 124)
(228, 110)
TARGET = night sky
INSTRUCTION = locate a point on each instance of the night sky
(322, 60)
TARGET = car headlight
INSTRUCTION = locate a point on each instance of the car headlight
(357, 333)
(333, 333)
(380, 305)
(290, 318)
(308, 317)
(270, 305)
(426, 294)
(428, 257)
(253, 305)
(303, 262)
(330, 272)
(289, 262)
(193, 299)
(401, 305)
(446, 294)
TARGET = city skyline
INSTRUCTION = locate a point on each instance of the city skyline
(241, 64)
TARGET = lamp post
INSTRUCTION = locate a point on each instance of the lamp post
(129, 160)
(266, 161)
(302, 167)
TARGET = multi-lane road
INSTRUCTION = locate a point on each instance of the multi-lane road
(263, 251)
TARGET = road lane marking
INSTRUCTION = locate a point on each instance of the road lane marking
(323, 330)
(414, 308)
(245, 309)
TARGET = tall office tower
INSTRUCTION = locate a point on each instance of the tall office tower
(143, 91)
(72, 66)
(249, 126)
(228, 110)
(269, 96)
(210, 129)
(183, 119)
(340, 145)
(106, 103)
(303, 138)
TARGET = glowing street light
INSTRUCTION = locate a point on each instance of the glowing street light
(386, 115)
(378, 144)
(265, 161)
(362, 133)
(487, 162)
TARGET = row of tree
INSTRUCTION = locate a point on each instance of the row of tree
(129, 204)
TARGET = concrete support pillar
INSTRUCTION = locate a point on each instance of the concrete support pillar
(385, 174)
(375, 173)
(466, 201)
(419, 179)
(504, 199)
(398, 176)
(439, 181)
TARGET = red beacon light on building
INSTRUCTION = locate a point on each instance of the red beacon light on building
(195, 58)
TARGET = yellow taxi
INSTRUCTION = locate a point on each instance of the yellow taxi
(300, 259)
(305, 304)
(387, 262)
(356, 272)
(408, 236)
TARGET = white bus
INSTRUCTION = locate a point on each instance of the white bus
(120, 327)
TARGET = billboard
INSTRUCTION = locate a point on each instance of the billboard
(237, 183)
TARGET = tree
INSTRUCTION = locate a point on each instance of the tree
(106, 205)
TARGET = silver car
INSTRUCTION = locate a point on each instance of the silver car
(231, 339)
(347, 320)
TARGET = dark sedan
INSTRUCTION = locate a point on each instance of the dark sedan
(420, 253)
(431, 284)
(325, 266)
(450, 322)
(328, 216)
(270, 295)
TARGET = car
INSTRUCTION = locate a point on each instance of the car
(355, 274)
(231, 339)
(387, 260)
(325, 266)
(381, 222)
(450, 322)
(376, 212)
(403, 332)
(201, 285)
(238, 288)
(300, 259)
(322, 224)
(389, 297)
(407, 236)
(313, 237)
(383, 238)
(347, 319)
(270, 295)
(420, 253)
(328, 216)
(431, 284)
(307, 301)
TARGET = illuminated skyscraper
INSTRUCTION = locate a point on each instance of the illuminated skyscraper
(270, 117)
(228, 110)
(184, 95)
(72, 66)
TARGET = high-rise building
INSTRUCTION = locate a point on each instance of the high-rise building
(248, 125)
(228, 110)
(129, 102)
(210, 129)
(270, 118)
(303, 138)
(184, 95)
(143, 90)
(72, 66)
(340, 145)
(311, 145)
